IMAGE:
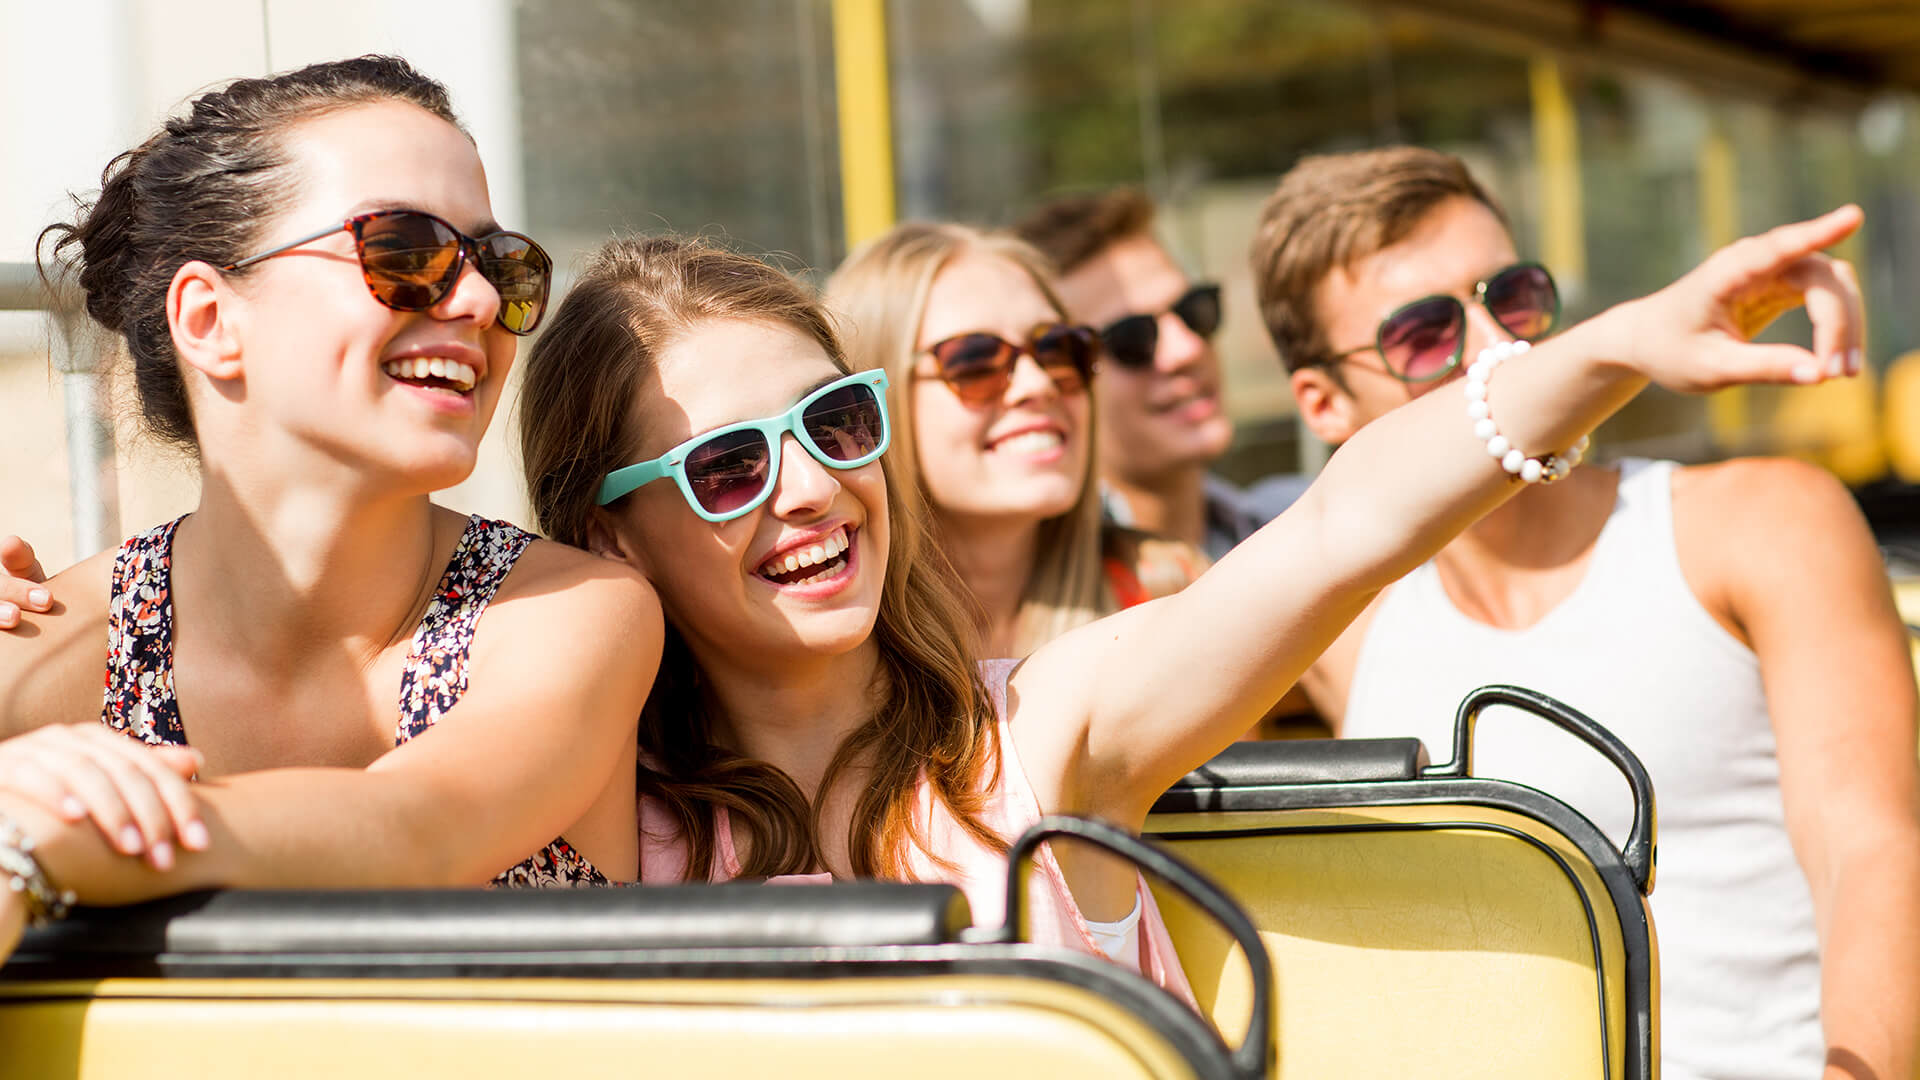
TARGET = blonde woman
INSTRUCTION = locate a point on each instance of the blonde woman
(989, 386)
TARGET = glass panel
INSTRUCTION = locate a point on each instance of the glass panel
(1002, 103)
(699, 116)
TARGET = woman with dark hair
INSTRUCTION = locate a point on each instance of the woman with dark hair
(691, 413)
(320, 307)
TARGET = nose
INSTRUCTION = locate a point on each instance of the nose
(805, 488)
(1482, 330)
(1178, 347)
(472, 296)
(1029, 381)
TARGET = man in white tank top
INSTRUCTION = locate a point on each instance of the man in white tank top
(1732, 623)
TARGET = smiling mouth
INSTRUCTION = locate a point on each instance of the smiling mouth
(1029, 442)
(432, 373)
(804, 566)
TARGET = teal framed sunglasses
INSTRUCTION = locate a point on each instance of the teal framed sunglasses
(726, 472)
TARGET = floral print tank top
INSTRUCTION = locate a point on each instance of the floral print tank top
(139, 695)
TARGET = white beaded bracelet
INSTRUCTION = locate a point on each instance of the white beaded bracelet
(1532, 470)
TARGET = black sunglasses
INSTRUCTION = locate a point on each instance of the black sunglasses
(411, 259)
(1132, 340)
(1425, 339)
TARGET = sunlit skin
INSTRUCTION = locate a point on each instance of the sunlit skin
(970, 471)
(707, 573)
(334, 407)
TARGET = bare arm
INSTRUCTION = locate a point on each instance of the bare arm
(569, 655)
(1812, 600)
(1388, 500)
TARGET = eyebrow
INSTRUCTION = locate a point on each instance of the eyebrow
(367, 206)
(834, 378)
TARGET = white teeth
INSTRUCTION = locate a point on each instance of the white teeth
(462, 376)
(1030, 442)
(819, 554)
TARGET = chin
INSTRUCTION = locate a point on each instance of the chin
(831, 633)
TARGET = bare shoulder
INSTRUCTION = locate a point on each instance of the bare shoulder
(52, 664)
(1755, 535)
(555, 578)
(1756, 507)
(1746, 491)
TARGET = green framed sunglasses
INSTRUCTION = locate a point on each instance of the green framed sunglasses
(1423, 340)
(726, 472)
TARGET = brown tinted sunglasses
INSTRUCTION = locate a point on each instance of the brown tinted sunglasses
(978, 367)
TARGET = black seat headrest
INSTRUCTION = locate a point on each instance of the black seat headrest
(1308, 761)
(477, 922)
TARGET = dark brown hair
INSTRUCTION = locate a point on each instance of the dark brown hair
(1329, 212)
(1074, 228)
(932, 718)
(202, 188)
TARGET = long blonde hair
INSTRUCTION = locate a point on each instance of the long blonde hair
(933, 720)
(882, 289)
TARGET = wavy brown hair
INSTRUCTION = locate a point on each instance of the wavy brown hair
(882, 289)
(933, 718)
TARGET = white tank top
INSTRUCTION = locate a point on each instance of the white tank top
(1633, 648)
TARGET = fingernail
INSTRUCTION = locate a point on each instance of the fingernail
(130, 840)
(194, 836)
(1807, 371)
(162, 856)
(8, 613)
(1854, 361)
(39, 598)
(1837, 364)
(73, 808)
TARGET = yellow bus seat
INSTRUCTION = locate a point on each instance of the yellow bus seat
(850, 980)
(1422, 921)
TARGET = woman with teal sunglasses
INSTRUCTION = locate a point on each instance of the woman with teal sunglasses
(727, 472)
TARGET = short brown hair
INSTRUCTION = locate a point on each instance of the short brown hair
(1329, 212)
(1075, 228)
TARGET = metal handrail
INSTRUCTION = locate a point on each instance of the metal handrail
(93, 483)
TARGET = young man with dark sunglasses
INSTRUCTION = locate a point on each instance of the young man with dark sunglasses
(1158, 394)
(1731, 622)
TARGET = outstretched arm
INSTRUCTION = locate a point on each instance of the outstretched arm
(1392, 496)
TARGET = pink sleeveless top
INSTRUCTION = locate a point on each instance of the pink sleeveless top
(981, 873)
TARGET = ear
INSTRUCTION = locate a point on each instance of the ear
(608, 540)
(1326, 407)
(201, 313)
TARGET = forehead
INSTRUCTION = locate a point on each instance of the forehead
(1451, 250)
(981, 291)
(1132, 275)
(725, 371)
(386, 154)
